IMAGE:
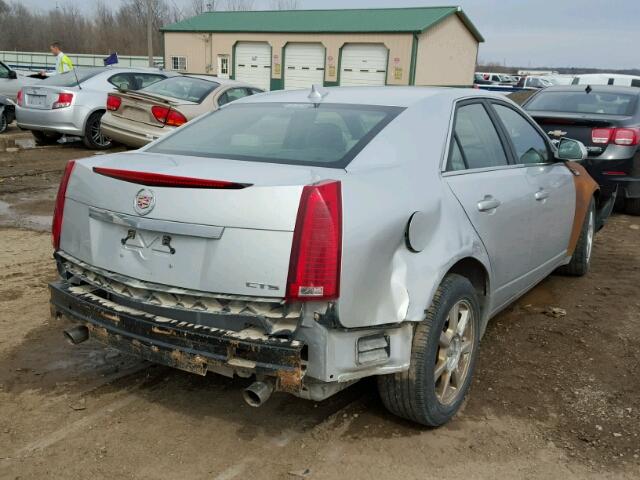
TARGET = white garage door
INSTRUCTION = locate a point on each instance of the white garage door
(304, 65)
(363, 64)
(253, 64)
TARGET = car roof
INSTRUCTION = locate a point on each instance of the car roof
(221, 81)
(99, 70)
(594, 88)
(383, 96)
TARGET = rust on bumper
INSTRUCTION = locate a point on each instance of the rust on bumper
(186, 346)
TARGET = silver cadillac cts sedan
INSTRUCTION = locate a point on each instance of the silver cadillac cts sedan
(306, 240)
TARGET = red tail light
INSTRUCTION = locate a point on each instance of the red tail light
(167, 116)
(625, 137)
(314, 267)
(113, 102)
(58, 212)
(601, 135)
(64, 100)
(19, 97)
(161, 180)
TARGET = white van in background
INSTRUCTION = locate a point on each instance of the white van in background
(607, 79)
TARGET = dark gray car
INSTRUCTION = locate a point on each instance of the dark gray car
(606, 119)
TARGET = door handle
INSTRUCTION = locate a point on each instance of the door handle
(488, 203)
(541, 195)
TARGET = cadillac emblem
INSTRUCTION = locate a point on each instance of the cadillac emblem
(144, 202)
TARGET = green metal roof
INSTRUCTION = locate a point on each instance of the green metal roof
(378, 20)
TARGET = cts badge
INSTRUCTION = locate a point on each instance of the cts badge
(144, 202)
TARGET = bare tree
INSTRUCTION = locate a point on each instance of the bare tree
(199, 7)
(284, 4)
(238, 5)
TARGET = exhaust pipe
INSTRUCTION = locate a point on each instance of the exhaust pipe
(77, 334)
(257, 393)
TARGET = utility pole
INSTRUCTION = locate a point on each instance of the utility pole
(150, 31)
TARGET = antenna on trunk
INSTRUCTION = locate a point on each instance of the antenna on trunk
(317, 94)
(75, 73)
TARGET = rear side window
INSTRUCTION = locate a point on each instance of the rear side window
(326, 135)
(603, 103)
(143, 80)
(456, 160)
(4, 71)
(233, 94)
(190, 89)
(477, 138)
(529, 145)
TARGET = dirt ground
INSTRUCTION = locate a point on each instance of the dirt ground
(555, 395)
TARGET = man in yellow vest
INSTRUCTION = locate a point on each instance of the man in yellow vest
(63, 63)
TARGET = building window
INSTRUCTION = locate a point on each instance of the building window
(224, 65)
(179, 63)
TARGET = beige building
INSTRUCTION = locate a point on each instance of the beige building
(297, 48)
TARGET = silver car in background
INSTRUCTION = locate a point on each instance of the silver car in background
(73, 103)
(135, 118)
(309, 240)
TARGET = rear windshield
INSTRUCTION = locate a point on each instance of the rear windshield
(70, 79)
(602, 103)
(183, 88)
(326, 135)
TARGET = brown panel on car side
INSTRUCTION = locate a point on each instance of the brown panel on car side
(585, 188)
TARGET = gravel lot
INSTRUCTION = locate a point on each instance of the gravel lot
(557, 391)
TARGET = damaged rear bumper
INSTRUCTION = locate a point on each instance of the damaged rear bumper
(192, 347)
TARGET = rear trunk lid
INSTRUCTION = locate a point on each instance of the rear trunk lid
(43, 98)
(577, 126)
(227, 241)
(136, 106)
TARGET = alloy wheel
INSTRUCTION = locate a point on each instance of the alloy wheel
(98, 137)
(590, 234)
(455, 352)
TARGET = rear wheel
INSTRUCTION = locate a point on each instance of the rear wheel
(581, 259)
(45, 138)
(93, 136)
(443, 357)
(632, 206)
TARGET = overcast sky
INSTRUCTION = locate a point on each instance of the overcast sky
(579, 33)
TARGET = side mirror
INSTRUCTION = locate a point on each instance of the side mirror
(12, 75)
(571, 150)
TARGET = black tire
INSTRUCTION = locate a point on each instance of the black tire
(45, 138)
(581, 259)
(413, 394)
(632, 206)
(4, 121)
(93, 137)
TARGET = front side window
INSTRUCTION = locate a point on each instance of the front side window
(529, 145)
(191, 89)
(477, 138)
(326, 135)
